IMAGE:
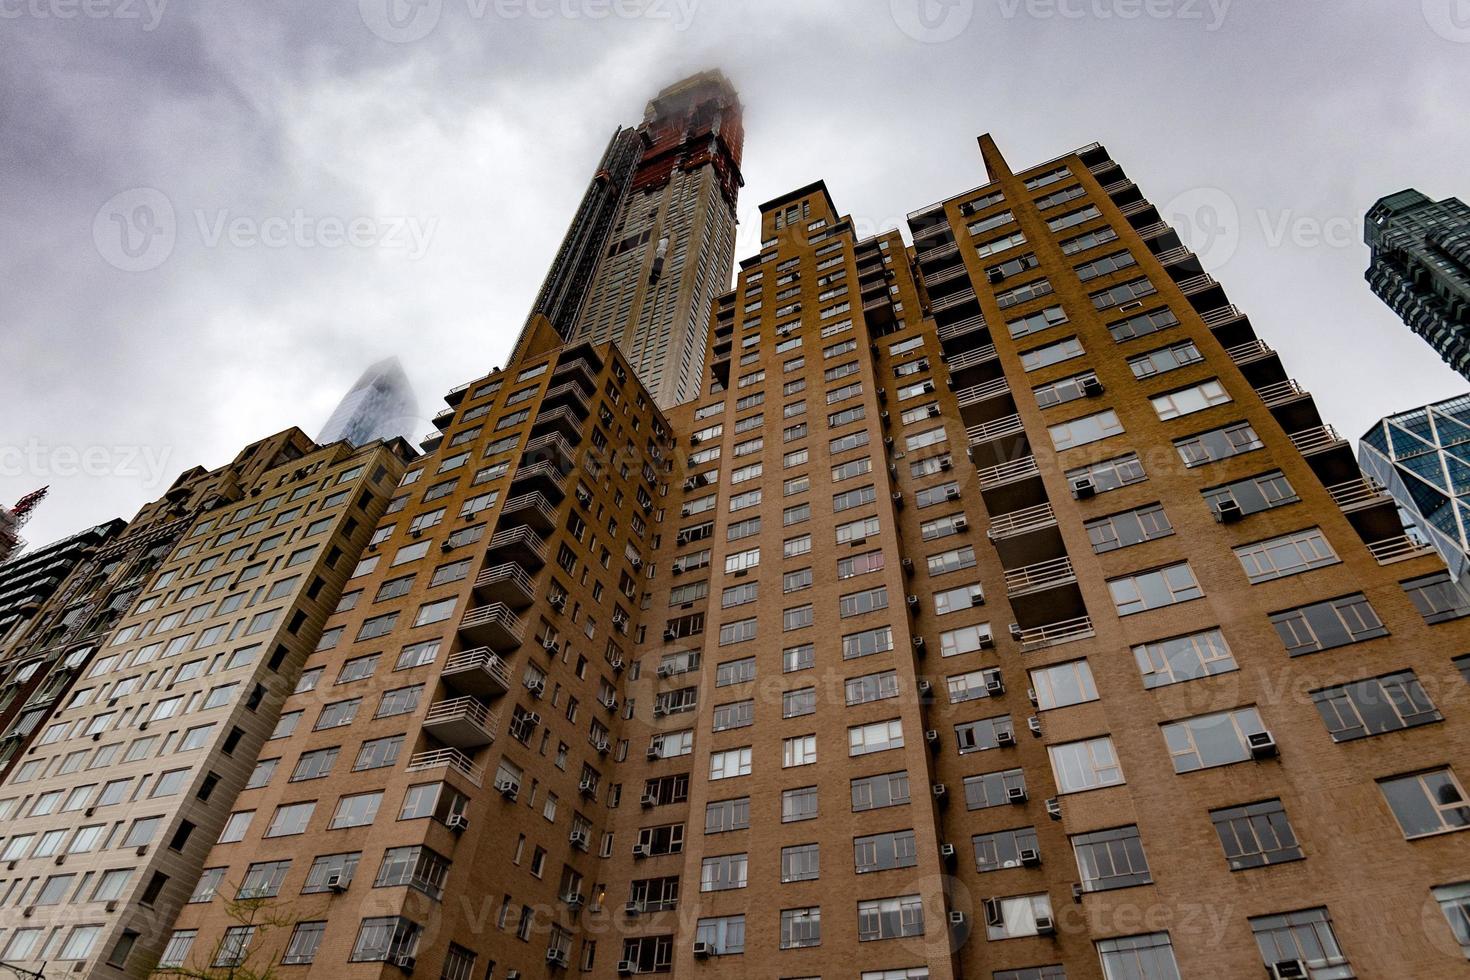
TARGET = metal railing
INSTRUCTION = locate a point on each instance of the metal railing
(1171, 255)
(1053, 634)
(1039, 576)
(1315, 439)
(1118, 186)
(506, 572)
(1155, 230)
(1009, 472)
(980, 392)
(533, 501)
(1195, 284)
(452, 759)
(1353, 494)
(495, 614)
(1010, 425)
(1251, 350)
(1023, 521)
(1400, 548)
(1281, 392)
(1136, 207)
(1221, 315)
(938, 251)
(464, 709)
(478, 658)
(522, 536)
(970, 358)
(965, 295)
(960, 327)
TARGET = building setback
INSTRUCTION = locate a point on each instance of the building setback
(966, 624)
(1420, 267)
(214, 595)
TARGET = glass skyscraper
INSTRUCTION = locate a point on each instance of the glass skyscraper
(381, 405)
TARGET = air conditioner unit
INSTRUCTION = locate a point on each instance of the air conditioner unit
(1016, 794)
(888, 441)
(404, 963)
(617, 665)
(946, 463)
(691, 484)
(1077, 892)
(508, 788)
(665, 670)
(1016, 631)
(939, 790)
(925, 689)
(632, 908)
(556, 957)
(897, 499)
(655, 752)
(1288, 970)
(649, 799)
(537, 688)
(1262, 745)
(677, 567)
(627, 968)
(659, 711)
(1054, 808)
(694, 440)
(907, 564)
(587, 785)
(986, 640)
(956, 918)
(602, 744)
(1029, 856)
(952, 493)
(1034, 723)
(1083, 488)
(1228, 512)
(934, 411)
(918, 643)
(994, 685)
(335, 884)
(640, 850)
(1045, 926)
(912, 600)
(671, 634)
(512, 975)
(995, 276)
(702, 950)
(928, 387)
(946, 851)
(574, 900)
(558, 602)
(1031, 696)
(550, 643)
(932, 736)
(532, 718)
(960, 524)
(1005, 738)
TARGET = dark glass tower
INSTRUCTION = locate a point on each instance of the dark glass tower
(381, 405)
(1421, 268)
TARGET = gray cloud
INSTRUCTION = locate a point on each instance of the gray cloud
(298, 118)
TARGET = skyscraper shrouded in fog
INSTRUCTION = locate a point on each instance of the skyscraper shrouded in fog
(380, 406)
(1421, 268)
(995, 606)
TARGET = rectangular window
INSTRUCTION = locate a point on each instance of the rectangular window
(800, 862)
(1329, 624)
(878, 736)
(1084, 765)
(1152, 590)
(1216, 739)
(1143, 324)
(1389, 703)
(1218, 444)
(1307, 936)
(801, 928)
(878, 792)
(1108, 859)
(1254, 494)
(799, 804)
(1128, 528)
(884, 852)
(1145, 957)
(890, 918)
(1425, 803)
(1088, 429)
(1002, 849)
(1061, 685)
(1062, 350)
(1183, 658)
(1437, 597)
(1164, 360)
(1289, 554)
(1256, 834)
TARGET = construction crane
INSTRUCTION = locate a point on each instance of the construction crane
(13, 519)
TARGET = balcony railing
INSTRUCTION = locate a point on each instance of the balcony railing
(520, 541)
(456, 394)
(970, 358)
(968, 325)
(1249, 351)
(529, 508)
(997, 429)
(479, 671)
(1022, 521)
(965, 295)
(508, 583)
(1316, 439)
(495, 626)
(549, 445)
(939, 251)
(1118, 186)
(451, 759)
(1222, 315)
(1400, 548)
(442, 419)
(1054, 634)
(544, 473)
(981, 392)
(1281, 392)
(578, 366)
(944, 274)
(1176, 254)
(1104, 167)
(462, 722)
(1010, 472)
(1137, 207)
(1356, 494)
(560, 417)
(1195, 284)
(569, 394)
(1040, 576)
(1155, 230)
(431, 442)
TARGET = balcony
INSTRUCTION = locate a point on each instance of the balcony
(519, 544)
(961, 327)
(1099, 168)
(1195, 285)
(457, 393)
(1156, 230)
(938, 252)
(972, 358)
(1355, 495)
(550, 446)
(1317, 439)
(978, 393)
(1023, 521)
(1041, 576)
(543, 475)
(966, 295)
(462, 722)
(530, 509)
(494, 626)
(478, 671)
(431, 442)
(451, 759)
(1282, 393)
(1009, 472)
(1010, 425)
(442, 419)
(1053, 634)
(567, 394)
(1249, 352)
(1222, 315)
(1170, 256)
(1400, 548)
(1137, 207)
(507, 583)
(560, 419)
(580, 370)
(1118, 186)
(945, 274)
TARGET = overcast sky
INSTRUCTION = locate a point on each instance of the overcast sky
(215, 215)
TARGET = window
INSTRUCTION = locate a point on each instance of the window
(263, 879)
(377, 753)
(1324, 625)
(739, 631)
(867, 643)
(1454, 902)
(884, 852)
(800, 702)
(1218, 444)
(1109, 859)
(958, 599)
(725, 935)
(1084, 765)
(1002, 849)
(861, 603)
(1165, 359)
(799, 750)
(357, 810)
(732, 762)
(1110, 474)
(725, 815)
(1032, 322)
(417, 867)
(1307, 936)
(1062, 350)
(722, 873)
(306, 938)
(966, 639)
(1437, 598)
(890, 918)
(867, 688)
(1254, 494)
(737, 714)
(1143, 324)
(801, 928)
(234, 947)
(177, 950)
(797, 618)
(344, 866)
(1145, 957)
(1128, 528)
(799, 804)
(1064, 390)
(878, 736)
(1389, 703)
(1151, 590)
(1183, 658)
(1424, 803)
(987, 733)
(801, 862)
(384, 938)
(1216, 739)
(1015, 917)
(290, 819)
(1089, 428)
(1289, 554)
(1063, 684)
(1256, 834)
